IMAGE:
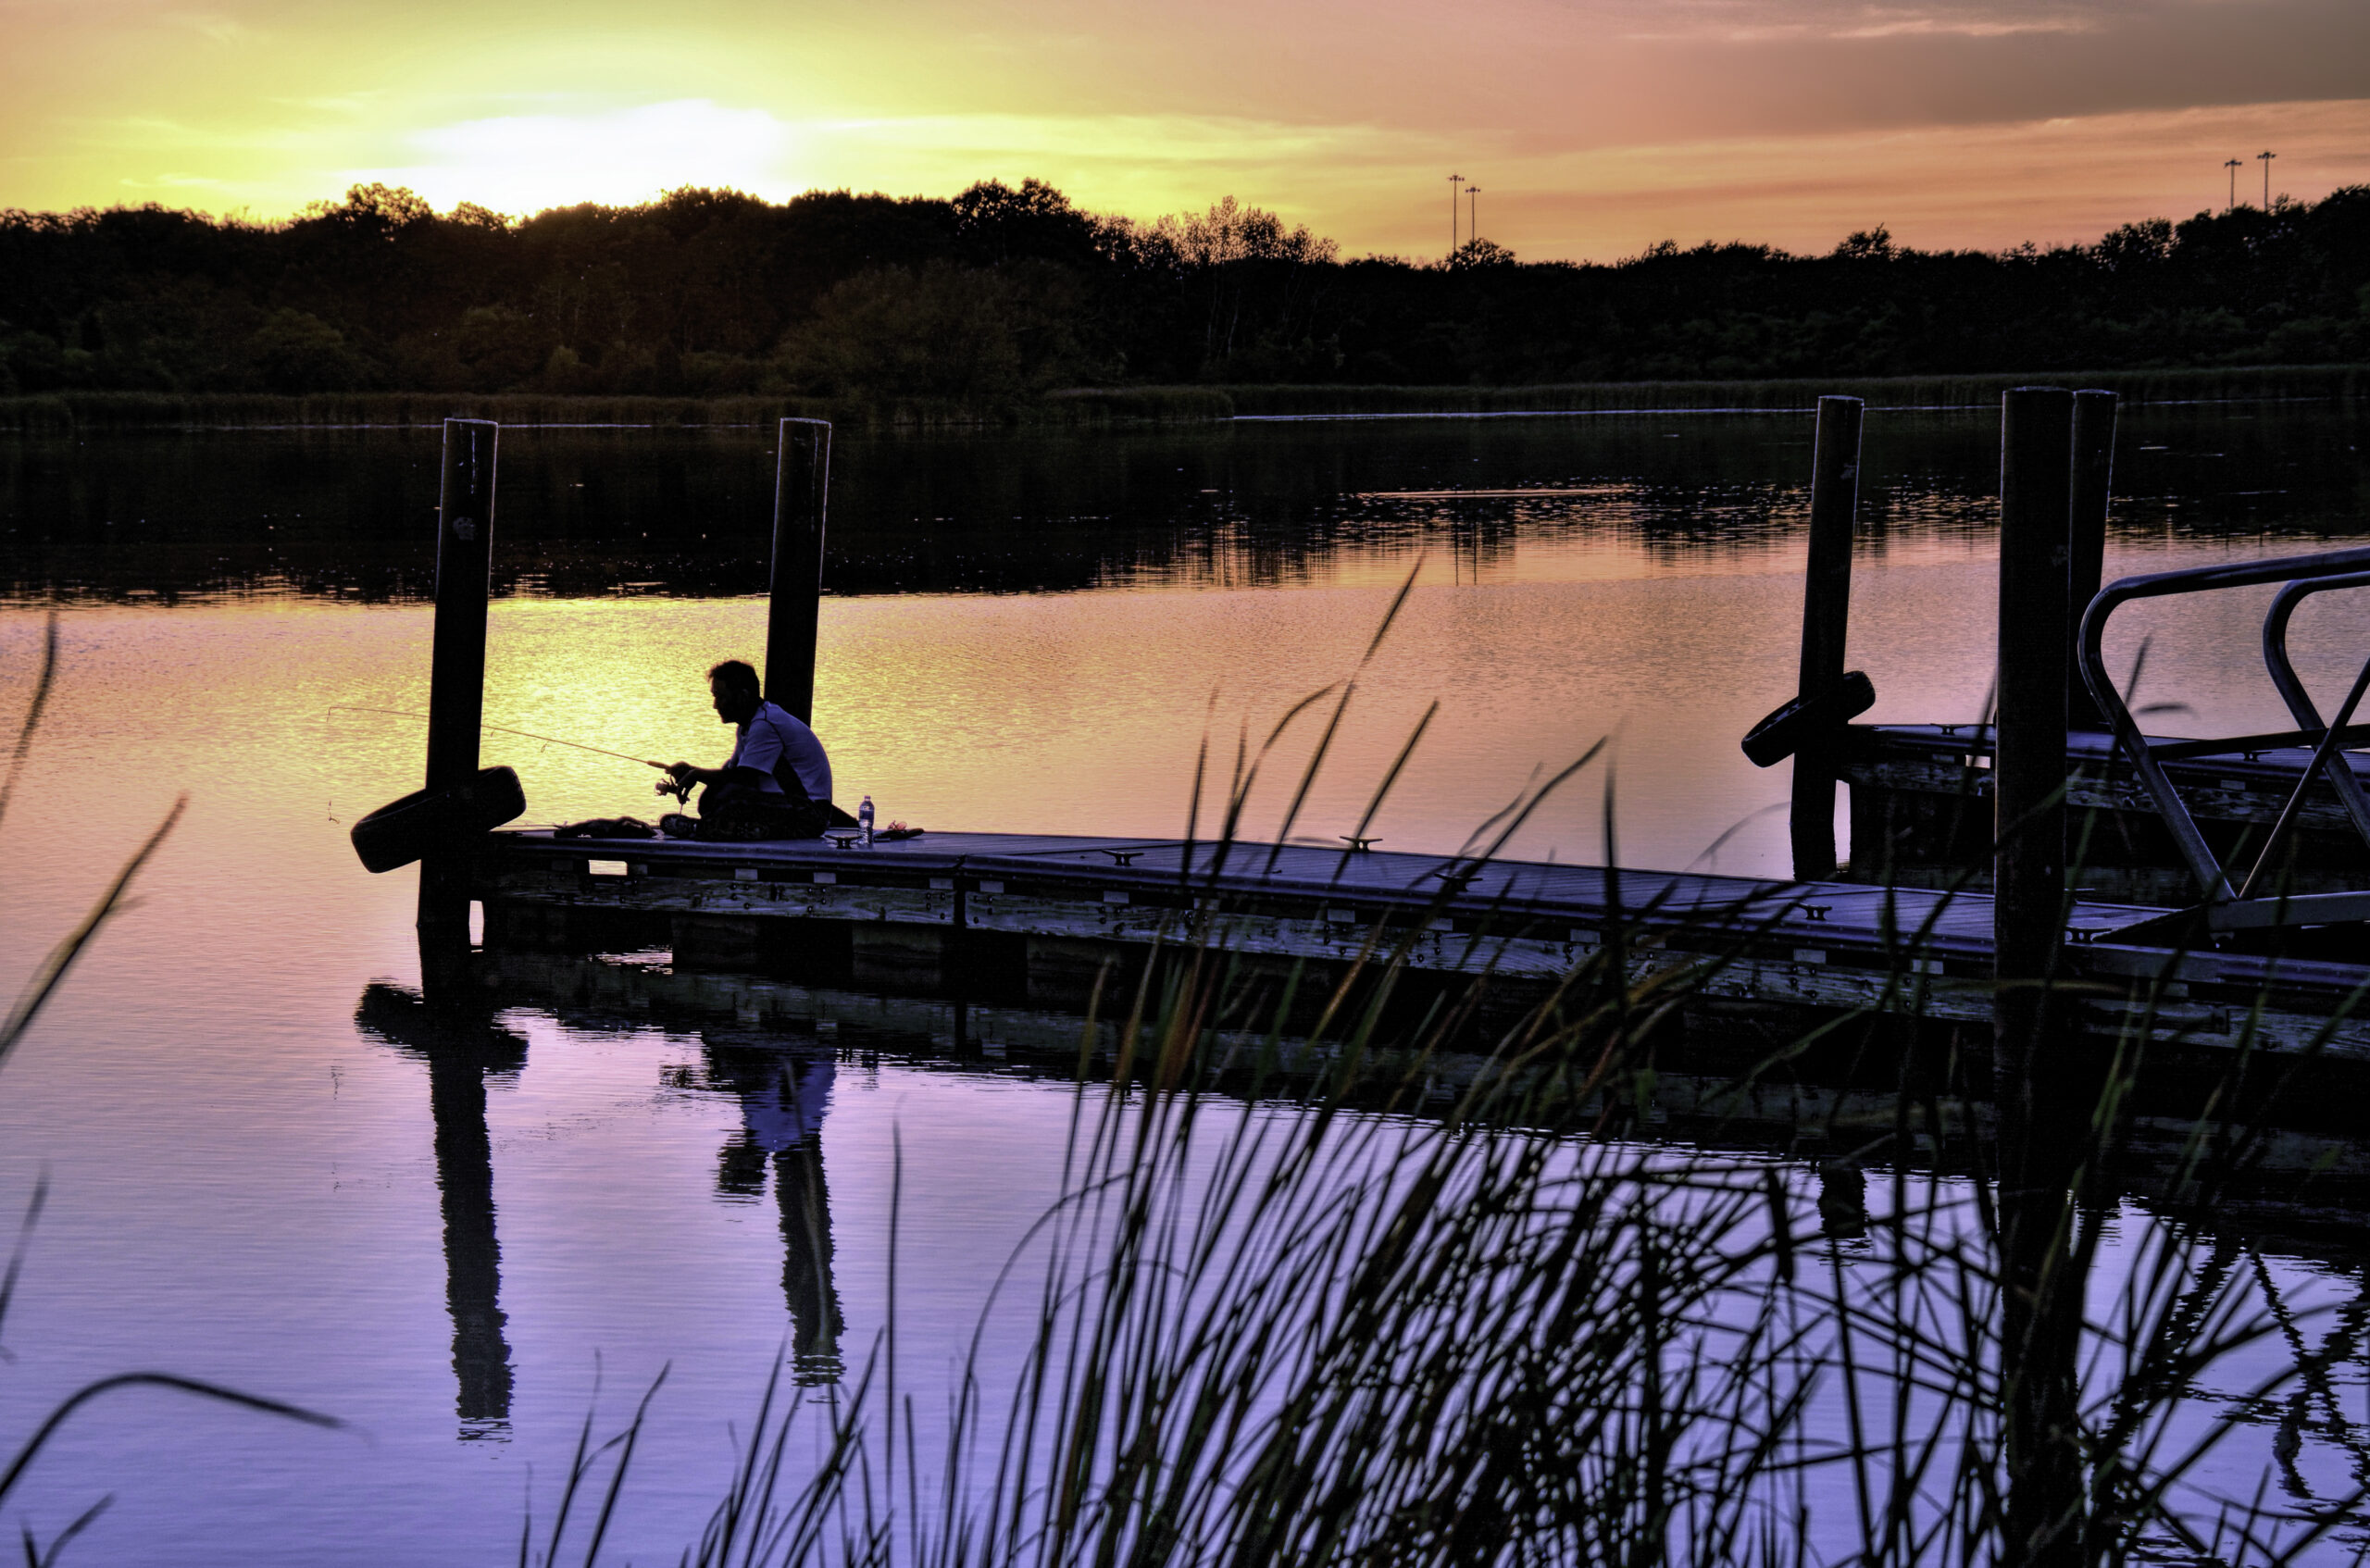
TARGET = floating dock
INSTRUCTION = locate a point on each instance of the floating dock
(1053, 919)
(1043, 917)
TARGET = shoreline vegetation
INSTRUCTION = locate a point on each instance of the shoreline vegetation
(1090, 407)
(1007, 304)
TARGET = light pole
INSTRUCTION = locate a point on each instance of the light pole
(1472, 214)
(2265, 158)
(2234, 166)
(1453, 181)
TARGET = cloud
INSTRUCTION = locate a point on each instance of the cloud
(1874, 23)
(1747, 21)
(2054, 182)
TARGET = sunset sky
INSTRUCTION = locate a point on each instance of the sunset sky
(1592, 127)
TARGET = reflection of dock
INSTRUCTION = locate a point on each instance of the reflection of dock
(961, 909)
(2298, 1182)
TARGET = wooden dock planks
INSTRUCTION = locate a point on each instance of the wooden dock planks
(1919, 951)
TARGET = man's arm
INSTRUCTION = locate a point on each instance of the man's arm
(683, 778)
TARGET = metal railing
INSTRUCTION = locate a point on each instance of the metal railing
(2229, 907)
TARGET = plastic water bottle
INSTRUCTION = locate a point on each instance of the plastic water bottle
(863, 820)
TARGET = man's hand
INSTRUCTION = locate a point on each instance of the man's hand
(679, 780)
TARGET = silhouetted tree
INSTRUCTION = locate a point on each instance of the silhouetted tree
(1006, 290)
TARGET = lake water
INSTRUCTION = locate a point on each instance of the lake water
(1024, 632)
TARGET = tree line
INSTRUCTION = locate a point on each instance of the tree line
(1003, 293)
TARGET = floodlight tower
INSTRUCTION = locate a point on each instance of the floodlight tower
(1453, 181)
(2265, 158)
(2234, 165)
(1472, 213)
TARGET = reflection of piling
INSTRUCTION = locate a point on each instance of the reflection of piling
(457, 679)
(802, 483)
(472, 1253)
(461, 1049)
(806, 1283)
(1842, 1198)
(2093, 481)
(1826, 614)
(2036, 1087)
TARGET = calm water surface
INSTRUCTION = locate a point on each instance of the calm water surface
(1025, 633)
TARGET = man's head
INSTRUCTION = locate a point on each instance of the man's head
(738, 695)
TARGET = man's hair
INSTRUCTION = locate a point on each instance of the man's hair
(734, 675)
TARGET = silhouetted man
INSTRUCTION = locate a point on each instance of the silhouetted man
(776, 784)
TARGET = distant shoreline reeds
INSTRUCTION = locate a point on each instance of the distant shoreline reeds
(58, 413)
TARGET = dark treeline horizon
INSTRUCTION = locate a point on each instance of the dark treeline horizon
(1003, 293)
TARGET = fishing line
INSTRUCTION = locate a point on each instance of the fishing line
(505, 729)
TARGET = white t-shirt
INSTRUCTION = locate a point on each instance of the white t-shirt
(768, 736)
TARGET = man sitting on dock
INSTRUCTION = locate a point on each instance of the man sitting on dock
(776, 784)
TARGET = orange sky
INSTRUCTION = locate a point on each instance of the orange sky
(1593, 126)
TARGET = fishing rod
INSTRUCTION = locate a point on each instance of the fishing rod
(505, 729)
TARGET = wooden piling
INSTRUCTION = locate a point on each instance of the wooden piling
(801, 485)
(2094, 483)
(456, 678)
(1826, 615)
(2035, 1084)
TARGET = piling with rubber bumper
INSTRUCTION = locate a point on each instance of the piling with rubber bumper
(1826, 615)
(456, 681)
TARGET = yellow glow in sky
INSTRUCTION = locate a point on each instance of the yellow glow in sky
(1593, 126)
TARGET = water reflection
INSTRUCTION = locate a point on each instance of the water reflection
(462, 1052)
(784, 1090)
(784, 1093)
(341, 513)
